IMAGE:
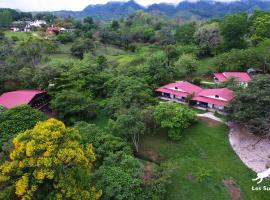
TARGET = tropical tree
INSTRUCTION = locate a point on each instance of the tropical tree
(208, 37)
(184, 33)
(104, 143)
(48, 162)
(120, 177)
(175, 118)
(251, 106)
(73, 106)
(32, 51)
(233, 29)
(189, 63)
(16, 120)
(130, 125)
(5, 19)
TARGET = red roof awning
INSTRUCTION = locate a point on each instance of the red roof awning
(211, 101)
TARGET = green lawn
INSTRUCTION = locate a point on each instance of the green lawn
(207, 147)
(19, 35)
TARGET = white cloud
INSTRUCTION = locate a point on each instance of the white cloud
(53, 5)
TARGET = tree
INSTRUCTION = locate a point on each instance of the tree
(175, 118)
(233, 29)
(251, 106)
(65, 37)
(104, 143)
(184, 34)
(115, 25)
(189, 63)
(73, 106)
(125, 92)
(208, 37)
(80, 47)
(157, 71)
(48, 162)
(16, 120)
(119, 177)
(260, 26)
(130, 125)
(32, 51)
(47, 73)
(5, 19)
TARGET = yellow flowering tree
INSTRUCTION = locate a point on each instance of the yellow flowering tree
(48, 162)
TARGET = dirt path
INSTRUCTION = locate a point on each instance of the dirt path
(255, 157)
(211, 116)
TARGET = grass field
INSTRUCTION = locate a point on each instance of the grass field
(203, 147)
(19, 35)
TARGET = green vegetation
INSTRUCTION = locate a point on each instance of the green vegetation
(201, 146)
(106, 73)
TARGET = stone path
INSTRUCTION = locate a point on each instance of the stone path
(211, 116)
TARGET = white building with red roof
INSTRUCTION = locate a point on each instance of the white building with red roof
(179, 90)
(240, 77)
(216, 99)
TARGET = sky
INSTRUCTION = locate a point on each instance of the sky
(75, 5)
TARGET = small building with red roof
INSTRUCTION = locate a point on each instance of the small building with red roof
(240, 77)
(35, 98)
(216, 99)
(178, 90)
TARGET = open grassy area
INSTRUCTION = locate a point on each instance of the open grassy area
(19, 35)
(203, 147)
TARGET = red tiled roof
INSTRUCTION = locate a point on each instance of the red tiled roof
(219, 97)
(184, 88)
(223, 93)
(16, 98)
(239, 76)
(54, 28)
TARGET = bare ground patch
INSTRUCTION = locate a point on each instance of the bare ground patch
(255, 153)
(233, 189)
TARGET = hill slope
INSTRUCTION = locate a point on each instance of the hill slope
(200, 10)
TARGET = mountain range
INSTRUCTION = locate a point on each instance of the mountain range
(202, 9)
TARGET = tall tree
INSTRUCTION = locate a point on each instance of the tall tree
(208, 37)
(233, 29)
(174, 118)
(48, 162)
(184, 33)
(5, 19)
(251, 106)
(73, 106)
(189, 63)
(130, 125)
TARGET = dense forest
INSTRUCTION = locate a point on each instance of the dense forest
(101, 78)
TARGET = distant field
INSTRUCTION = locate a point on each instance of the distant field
(19, 35)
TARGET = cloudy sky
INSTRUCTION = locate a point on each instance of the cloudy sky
(50, 5)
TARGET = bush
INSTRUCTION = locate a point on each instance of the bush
(18, 119)
(174, 117)
(65, 37)
(202, 173)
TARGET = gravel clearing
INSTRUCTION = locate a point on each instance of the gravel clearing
(256, 157)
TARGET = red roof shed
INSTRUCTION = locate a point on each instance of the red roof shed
(20, 97)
